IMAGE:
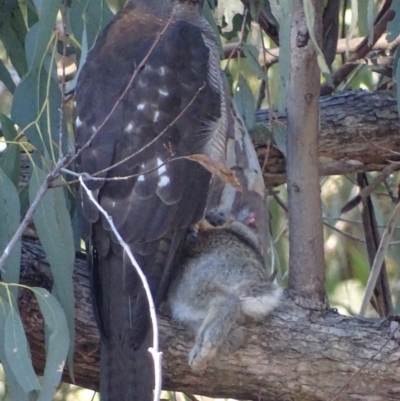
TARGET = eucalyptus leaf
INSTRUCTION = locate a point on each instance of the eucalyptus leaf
(47, 11)
(17, 352)
(84, 53)
(57, 342)
(32, 15)
(10, 160)
(280, 136)
(309, 12)
(10, 219)
(53, 226)
(16, 391)
(91, 16)
(6, 77)
(14, 48)
(251, 53)
(47, 61)
(35, 109)
(24, 199)
(285, 23)
(354, 19)
(396, 75)
(18, 23)
(394, 25)
(370, 21)
(245, 103)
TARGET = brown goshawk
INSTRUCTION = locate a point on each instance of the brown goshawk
(150, 93)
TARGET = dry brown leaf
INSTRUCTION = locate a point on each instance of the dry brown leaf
(218, 169)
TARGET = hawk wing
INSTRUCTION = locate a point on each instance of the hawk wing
(172, 107)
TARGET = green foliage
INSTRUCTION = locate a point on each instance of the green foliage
(6, 78)
(10, 160)
(17, 353)
(12, 34)
(39, 35)
(54, 228)
(35, 110)
(251, 53)
(394, 25)
(57, 341)
(244, 101)
(310, 18)
(284, 54)
(88, 18)
(10, 218)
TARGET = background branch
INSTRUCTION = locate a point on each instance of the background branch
(343, 46)
(359, 131)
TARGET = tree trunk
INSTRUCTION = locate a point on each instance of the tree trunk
(306, 239)
(297, 354)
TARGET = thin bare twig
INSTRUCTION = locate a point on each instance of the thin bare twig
(341, 232)
(382, 300)
(32, 208)
(367, 191)
(379, 257)
(63, 83)
(378, 146)
(156, 354)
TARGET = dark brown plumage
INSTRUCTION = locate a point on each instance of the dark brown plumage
(177, 95)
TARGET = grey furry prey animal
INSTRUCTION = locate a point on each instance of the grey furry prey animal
(222, 281)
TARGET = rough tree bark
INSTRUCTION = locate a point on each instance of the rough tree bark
(359, 131)
(306, 239)
(296, 355)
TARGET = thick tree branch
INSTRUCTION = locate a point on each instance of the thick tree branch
(359, 131)
(297, 355)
